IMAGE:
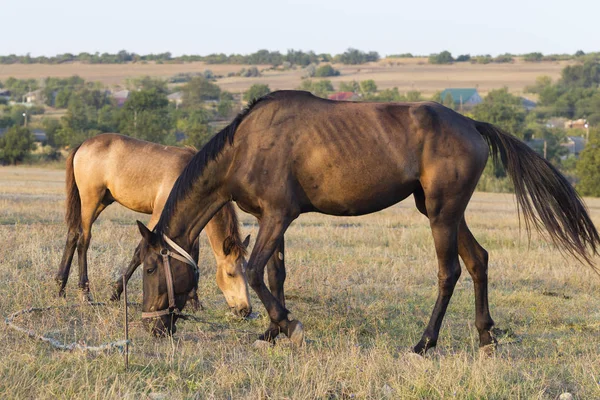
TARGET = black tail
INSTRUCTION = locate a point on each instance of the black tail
(544, 195)
(73, 205)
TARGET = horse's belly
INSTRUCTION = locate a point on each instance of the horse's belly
(358, 194)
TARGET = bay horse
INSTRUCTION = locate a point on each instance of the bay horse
(290, 153)
(139, 175)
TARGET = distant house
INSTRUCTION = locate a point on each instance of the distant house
(575, 145)
(121, 97)
(528, 104)
(576, 124)
(34, 97)
(556, 122)
(344, 96)
(176, 98)
(39, 136)
(5, 94)
(463, 97)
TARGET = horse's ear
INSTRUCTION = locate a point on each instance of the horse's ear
(228, 245)
(246, 242)
(147, 234)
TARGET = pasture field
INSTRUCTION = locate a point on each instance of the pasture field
(406, 74)
(363, 287)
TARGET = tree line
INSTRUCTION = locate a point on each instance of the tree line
(274, 58)
(445, 57)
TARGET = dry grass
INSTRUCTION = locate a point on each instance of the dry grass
(406, 74)
(363, 287)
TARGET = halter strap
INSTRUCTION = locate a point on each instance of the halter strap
(181, 255)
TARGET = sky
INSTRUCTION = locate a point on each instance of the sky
(42, 27)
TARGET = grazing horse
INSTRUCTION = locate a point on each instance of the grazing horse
(290, 153)
(139, 175)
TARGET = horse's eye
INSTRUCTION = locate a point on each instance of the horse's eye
(229, 274)
(150, 270)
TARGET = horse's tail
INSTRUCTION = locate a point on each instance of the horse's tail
(544, 195)
(73, 205)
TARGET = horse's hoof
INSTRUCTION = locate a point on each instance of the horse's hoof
(296, 332)
(115, 297)
(488, 350)
(85, 296)
(62, 294)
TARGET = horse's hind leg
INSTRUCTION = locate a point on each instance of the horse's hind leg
(67, 258)
(444, 208)
(90, 210)
(476, 260)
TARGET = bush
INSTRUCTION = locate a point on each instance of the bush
(326, 70)
(442, 58)
(256, 91)
(504, 58)
(251, 72)
(533, 57)
(16, 144)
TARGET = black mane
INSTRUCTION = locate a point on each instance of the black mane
(195, 167)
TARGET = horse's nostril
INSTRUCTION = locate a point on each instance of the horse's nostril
(244, 312)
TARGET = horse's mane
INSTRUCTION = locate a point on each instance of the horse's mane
(211, 150)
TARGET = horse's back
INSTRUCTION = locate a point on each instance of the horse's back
(135, 172)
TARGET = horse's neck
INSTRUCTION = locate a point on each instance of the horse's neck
(194, 211)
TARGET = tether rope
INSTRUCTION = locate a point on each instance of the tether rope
(80, 345)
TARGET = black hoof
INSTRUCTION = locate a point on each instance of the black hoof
(422, 347)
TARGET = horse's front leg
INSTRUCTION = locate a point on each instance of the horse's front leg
(271, 230)
(276, 272)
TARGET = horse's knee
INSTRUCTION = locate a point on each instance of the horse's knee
(448, 278)
(255, 279)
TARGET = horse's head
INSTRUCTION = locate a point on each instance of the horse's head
(169, 275)
(231, 275)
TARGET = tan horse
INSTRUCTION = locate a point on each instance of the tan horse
(139, 175)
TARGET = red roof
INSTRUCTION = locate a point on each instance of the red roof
(341, 96)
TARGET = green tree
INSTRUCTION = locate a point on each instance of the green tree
(551, 145)
(503, 109)
(147, 83)
(145, 115)
(16, 144)
(256, 91)
(354, 56)
(351, 86)
(368, 87)
(533, 57)
(326, 70)
(320, 88)
(442, 58)
(198, 90)
(51, 127)
(414, 95)
(386, 95)
(194, 124)
(588, 166)
(448, 101)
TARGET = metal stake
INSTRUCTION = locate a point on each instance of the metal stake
(126, 325)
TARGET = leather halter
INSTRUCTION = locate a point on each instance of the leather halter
(181, 255)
